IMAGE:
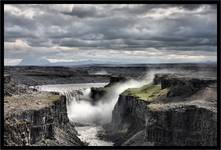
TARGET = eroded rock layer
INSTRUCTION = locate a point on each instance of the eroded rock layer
(43, 121)
(163, 117)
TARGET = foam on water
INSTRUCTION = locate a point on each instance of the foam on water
(89, 134)
(80, 109)
(68, 87)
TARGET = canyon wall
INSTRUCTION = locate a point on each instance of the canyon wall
(47, 125)
(188, 118)
(188, 125)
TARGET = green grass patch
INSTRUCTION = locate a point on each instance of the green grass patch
(147, 92)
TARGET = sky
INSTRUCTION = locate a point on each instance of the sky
(37, 34)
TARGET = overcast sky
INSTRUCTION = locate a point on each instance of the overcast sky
(38, 34)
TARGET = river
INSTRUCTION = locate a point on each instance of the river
(81, 111)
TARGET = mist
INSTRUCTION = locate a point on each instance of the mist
(80, 107)
(85, 112)
(101, 72)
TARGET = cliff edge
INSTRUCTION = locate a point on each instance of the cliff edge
(174, 110)
(38, 118)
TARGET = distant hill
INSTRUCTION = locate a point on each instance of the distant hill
(44, 62)
(34, 62)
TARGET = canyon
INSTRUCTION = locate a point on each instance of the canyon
(188, 118)
(44, 121)
(151, 106)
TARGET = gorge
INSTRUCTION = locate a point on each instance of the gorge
(163, 107)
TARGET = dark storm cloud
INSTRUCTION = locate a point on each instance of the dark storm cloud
(138, 27)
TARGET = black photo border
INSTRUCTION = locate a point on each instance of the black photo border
(3, 2)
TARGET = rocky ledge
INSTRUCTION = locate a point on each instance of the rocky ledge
(172, 111)
(97, 93)
(39, 118)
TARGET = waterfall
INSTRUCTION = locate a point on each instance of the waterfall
(78, 99)
(79, 106)
(101, 113)
(73, 95)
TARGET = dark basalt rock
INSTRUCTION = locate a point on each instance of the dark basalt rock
(30, 127)
(190, 121)
(169, 80)
(180, 85)
(128, 118)
(116, 79)
(97, 93)
(187, 126)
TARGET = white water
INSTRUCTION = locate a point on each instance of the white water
(86, 133)
(89, 134)
(80, 109)
(68, 87)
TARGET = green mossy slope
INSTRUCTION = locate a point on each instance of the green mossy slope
(147, 92)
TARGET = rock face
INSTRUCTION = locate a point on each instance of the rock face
(184, 86)
(47, 125)
(116, 79)
(97, 93)
(128, 117)
(185, 119)
(188, 125)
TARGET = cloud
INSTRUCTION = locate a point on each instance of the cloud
(18, 44)
(88, 31)
(82, 11)
(11, 62)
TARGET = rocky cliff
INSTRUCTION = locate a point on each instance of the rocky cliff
(182, 125)
(38, 119)
(97, 93)
(174, 111)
